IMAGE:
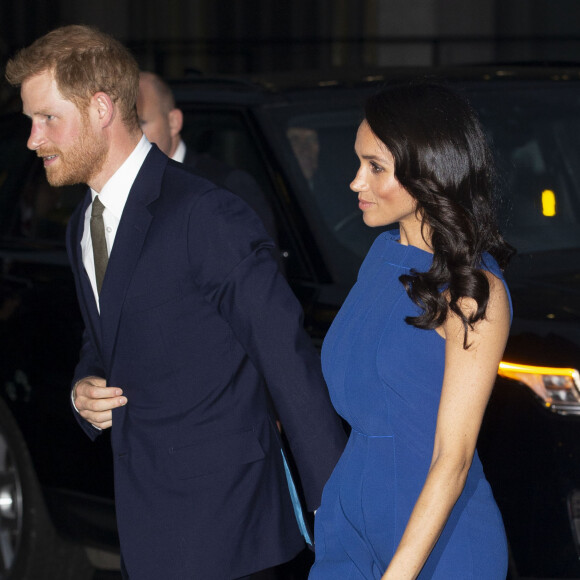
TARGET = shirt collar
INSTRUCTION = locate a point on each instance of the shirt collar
(116, 191)
(179, 154)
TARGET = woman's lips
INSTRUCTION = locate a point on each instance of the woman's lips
(363, 204)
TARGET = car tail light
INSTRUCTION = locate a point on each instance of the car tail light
(558, 388)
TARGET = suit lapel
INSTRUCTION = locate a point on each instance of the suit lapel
(86, 295)
(129, 241)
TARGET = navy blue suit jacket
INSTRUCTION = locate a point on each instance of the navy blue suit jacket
(195, 320)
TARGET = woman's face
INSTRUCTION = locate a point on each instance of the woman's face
(382, 199)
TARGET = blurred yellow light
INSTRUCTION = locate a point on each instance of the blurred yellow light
(506, 369)
(546, 382)
(548, 203)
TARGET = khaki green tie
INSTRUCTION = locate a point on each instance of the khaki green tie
(100, 253)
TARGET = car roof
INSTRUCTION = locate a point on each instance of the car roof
(298, 85)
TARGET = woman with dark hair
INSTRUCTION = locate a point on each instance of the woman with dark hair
(412, 356)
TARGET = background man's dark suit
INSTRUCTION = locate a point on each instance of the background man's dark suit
(194, 316)
(239, 182)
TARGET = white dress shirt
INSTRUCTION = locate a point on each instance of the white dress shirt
(113, 196)
(179, 154)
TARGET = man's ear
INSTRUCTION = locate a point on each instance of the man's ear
(103, 108)
(175, 121)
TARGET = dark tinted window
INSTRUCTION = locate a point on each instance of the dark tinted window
(534, 134)
(228, 136)
(29, 207)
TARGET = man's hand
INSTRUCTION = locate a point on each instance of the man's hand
(95, 401)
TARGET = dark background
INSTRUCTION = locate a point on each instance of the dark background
(253, 36)
(175, 37)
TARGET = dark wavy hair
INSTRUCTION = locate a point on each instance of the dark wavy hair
(442, 159)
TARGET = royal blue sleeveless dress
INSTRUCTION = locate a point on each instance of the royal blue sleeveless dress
(385, 378)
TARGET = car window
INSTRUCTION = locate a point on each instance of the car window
(29, 207)
(534, 135)
(323, 146)
(226, 135)
(319, 160)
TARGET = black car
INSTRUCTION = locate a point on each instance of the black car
(295, 135)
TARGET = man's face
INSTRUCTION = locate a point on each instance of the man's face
(304, 142)
(154, 120)
(71, 149)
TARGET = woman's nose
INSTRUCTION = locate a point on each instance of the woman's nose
(358, 183)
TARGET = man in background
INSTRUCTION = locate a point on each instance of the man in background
(162, 122)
